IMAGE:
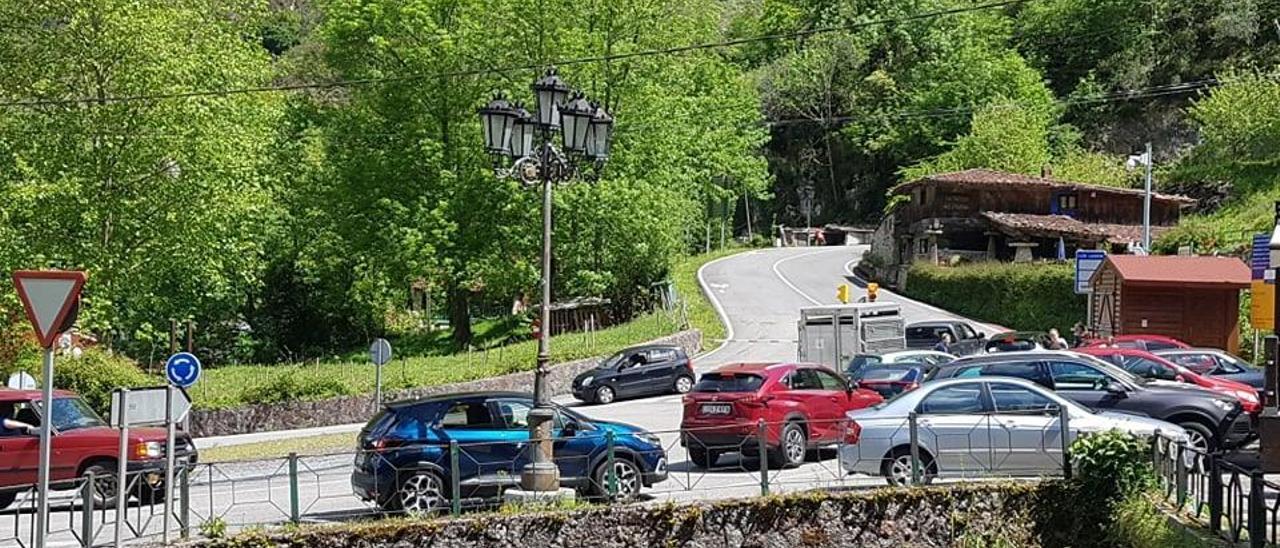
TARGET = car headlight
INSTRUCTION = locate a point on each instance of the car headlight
(586, 381)
(649, 437)
(1224, 404)
(1246, 395)
(149, 450)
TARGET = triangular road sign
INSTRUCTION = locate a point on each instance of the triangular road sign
(49, 296)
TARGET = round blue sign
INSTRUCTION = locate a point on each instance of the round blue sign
(182, 369)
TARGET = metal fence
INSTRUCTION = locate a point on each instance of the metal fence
(603, 463)
(1235, 503)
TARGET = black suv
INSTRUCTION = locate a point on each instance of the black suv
(964, 340)
(639, 371)
(1212, 421)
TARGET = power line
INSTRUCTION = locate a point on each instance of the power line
(676, 50)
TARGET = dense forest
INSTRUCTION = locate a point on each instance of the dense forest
(284, 172)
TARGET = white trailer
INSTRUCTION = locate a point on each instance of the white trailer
(833, 335)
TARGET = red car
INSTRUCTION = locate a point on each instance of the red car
(83, 443)
(1147, 365)
(1149, 343)
(802, 406)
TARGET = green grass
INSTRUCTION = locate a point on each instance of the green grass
(231, 386)
(312, 445)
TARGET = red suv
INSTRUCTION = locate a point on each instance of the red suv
(1147, 365)
(1149, 343)
(83, 443)
(802, 405)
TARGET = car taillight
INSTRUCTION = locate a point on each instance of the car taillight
(758, 401)
(689, 364)
(852, 432)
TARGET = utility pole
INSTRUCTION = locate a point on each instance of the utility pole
(746, 201)
(1146, 204)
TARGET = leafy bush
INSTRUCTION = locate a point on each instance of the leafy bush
(295, 385)
(1112, 463)
(93, 375)
(1019, 296)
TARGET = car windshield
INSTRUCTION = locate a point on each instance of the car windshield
(729, 382)
(1010, 342)
(926, 332)
(73, 413)
(882, 374)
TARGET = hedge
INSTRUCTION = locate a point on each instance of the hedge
(1030, 297)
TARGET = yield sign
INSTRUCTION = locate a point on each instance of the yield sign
(49, 296)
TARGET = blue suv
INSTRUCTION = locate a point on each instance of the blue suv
(404, 462)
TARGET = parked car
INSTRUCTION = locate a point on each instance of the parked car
(802, 406)
(890, 379)
(1016, 341)
(403, 461)
(1150, 366)
(927, 358)
(1217, 364)
(967, 427)
(83, 444)
(1212, 420)
(1150, 343)
(964, 339)
(634, 372)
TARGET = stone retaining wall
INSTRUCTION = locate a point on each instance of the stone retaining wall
(1003, 514)
(353, 409)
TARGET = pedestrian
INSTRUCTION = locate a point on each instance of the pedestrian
(944, 344)
(1056, 342)
(821, 237)
(1077, 335)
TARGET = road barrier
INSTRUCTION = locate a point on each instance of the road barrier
(601, 462)
(1235, 503)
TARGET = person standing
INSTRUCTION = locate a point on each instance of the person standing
(1056, 341)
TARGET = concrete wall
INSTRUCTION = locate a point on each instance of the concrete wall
(354, 409)
(962, 515)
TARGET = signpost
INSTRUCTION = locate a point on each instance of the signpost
(51, 299)
(1087, 262)
(379, 354)
(182, 369)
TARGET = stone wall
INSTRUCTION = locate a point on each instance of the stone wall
(354, 409)
(992, 514)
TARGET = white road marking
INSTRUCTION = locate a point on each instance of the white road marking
(788, 282)
(715, 304)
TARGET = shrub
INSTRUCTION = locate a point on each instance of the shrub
(1032, 297)
(93, 375)
(294, 386)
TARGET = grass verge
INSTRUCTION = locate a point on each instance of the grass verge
(311, 445)
(231, 386)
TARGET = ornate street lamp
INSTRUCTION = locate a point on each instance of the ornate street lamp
(599, 135)
(496, 119)
(529, 139)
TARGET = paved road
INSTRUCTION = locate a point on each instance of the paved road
(759, 291)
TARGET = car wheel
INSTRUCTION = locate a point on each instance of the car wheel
(703, 458)
(605, 394)
(7, 498)
(684, 384)
(627, 476)
(896, 468)
(1200, 439)
(420, 492)
(792, 447)
(104, 483)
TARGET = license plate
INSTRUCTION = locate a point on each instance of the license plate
(716, 409)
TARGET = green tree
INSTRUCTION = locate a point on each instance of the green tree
(160, 200)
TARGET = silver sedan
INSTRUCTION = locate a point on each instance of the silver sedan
(992, 426)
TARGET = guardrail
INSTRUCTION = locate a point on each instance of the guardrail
(1235, 503)
(604, 464)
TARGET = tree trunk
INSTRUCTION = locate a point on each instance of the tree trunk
(460, 315)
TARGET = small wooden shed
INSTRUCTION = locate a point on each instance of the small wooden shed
(1194, 299)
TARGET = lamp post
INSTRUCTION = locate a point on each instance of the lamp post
(524, 146)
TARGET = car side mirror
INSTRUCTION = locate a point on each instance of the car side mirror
(570, 429)
(851, 387)
(1115, 389)
(982, 335)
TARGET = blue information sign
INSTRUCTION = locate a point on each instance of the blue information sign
(182, 369)
(1087, 262)
(1260, 256)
